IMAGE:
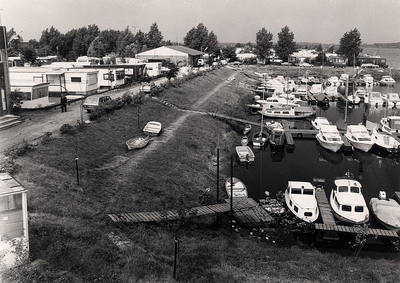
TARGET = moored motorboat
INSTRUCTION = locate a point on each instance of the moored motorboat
(244, 140)
(387, 81)
(244, 153)
(260, 139)
(353, 99)
(289, 112)
(236, 186)
(138, 142)
(319, 121)
(391, 124)
(385, 141)
(277, 137)
(247, 129)
(347, 202)
(359, 137)
(273, 125)
(386, 211)
(329, 137)
(301, 201)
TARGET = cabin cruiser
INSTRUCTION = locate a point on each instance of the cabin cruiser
(300, 199)
(276, 102)
(319, 121)
(329, 137)
(393, 99)
(359, 137)
(376, 98)
(387, 81)
(347, 202)
(385, 141)
(289, 112)
(334, 81)
(368, 80)
(391, 125)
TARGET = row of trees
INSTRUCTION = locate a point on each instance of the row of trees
(92, 42)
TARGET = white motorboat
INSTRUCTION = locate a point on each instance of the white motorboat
(386, 211)
(289, 112)
(359, 137)
(393, 99)
(319, 121)
(273, 125)
(277, 137)
(347, 202)
(329, 137)
(391, 124)
(300, 199)
(247, 129)
(238, 189)
(385, 141)
(387, 81)
(376, 98)
(244, 153)
(353, 99)
(276, 102)
(333, 81)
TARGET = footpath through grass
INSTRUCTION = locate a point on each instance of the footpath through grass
(70, 231)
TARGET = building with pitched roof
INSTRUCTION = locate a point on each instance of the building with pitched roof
(180, 55)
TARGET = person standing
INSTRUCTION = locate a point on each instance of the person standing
(63, 103)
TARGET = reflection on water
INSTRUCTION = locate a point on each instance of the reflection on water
(376, 170)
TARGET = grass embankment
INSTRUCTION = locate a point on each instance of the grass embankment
(69, 226)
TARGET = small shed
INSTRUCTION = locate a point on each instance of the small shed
(34, 95)
(14, 239)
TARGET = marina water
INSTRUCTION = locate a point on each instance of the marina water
(273, 169)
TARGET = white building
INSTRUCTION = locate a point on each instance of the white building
(179, 55)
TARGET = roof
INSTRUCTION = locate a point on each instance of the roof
(169, 50)
(184, 49)
(9, 186)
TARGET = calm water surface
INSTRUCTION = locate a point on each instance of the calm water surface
(273, 169)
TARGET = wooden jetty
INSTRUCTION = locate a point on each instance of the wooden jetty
(331, 230)
(289, 137)
(246, 211)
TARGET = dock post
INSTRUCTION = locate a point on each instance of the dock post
(231, 198)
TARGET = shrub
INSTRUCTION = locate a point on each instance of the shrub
(7, 166)
(127, 98)
(18, 149)
(67, 129)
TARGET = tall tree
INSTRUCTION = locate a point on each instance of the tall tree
(213, 45)
(263, 44)
(197, 38)
(49, 41)
(97, 48)
(349, 46)
(229, 53)
(125, 38)
(140, 41)
(154, 37)
(286, 44)
(14, 43)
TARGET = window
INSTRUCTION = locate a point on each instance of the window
(359, 209)
(308, 214)
(343, 189)
(296, 209)
(296, 191)
(76, 79)
(120, 75)
(308, 192)
(355, 190)
(346, 208)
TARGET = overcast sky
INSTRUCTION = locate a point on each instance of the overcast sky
(233, 21)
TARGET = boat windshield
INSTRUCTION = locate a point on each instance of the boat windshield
(308, 192)
(359, 209)
(355, 190)
(343, 189)
(296, 191)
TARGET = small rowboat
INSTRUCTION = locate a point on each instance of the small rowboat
(244, 141)
(247, 129)
(138, 142)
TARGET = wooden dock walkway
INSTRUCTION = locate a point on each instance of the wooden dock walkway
(246, 211)
(289, 138)
(355, 230)
(329, 224)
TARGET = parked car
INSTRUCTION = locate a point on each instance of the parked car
(286, 64)
(94, 101)
(306, 65)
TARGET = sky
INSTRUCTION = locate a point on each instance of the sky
(232, 21)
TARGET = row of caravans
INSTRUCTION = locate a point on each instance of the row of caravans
(41, 86)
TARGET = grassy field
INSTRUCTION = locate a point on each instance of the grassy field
(68, 223)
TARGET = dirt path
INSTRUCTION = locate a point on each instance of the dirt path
(167, 134)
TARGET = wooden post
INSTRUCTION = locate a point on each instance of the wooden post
(217, 176)
(231, 199)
